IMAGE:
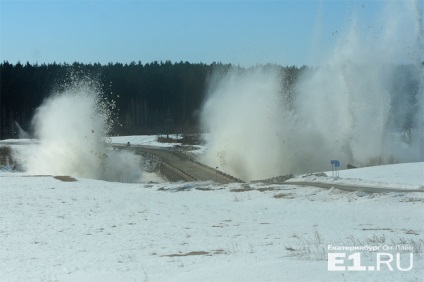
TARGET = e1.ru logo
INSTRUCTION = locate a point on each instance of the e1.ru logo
(337, 262)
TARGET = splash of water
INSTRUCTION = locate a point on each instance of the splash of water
(242, 115)
(22, 134)
(356, 107)
(71, 127)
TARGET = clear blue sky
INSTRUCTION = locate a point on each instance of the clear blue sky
(287, 32)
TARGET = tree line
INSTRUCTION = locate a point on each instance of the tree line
(156, 97)
(152, 98)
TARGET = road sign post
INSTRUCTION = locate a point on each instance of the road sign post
(216, 174)
(335, 164)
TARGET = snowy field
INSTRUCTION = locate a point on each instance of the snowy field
(151, 140)
(147, 140)
(57, 229)
(407, 176)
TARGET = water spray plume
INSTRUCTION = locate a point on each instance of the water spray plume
(361, 107)
(71, 127)
(241, 114)
(22, 134)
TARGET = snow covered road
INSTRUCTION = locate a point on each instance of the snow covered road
(371, 188)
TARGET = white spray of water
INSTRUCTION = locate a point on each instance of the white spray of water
(242, 115)
(71, 127)
(346, 109)
(22, 134)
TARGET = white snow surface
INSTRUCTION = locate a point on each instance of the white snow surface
(406, 173)
(92, 230)
(150, 140)
(406, 176)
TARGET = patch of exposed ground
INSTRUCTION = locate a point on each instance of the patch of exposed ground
(64, 178)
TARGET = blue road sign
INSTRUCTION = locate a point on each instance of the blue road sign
(336, 163)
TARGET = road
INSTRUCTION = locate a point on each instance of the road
(350, 188)
(177, 166)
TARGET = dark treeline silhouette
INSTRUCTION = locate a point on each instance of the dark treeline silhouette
(152, 98)
(157, 97)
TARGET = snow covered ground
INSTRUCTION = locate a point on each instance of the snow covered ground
(149, 140)
(56, 229)
(406, 176)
